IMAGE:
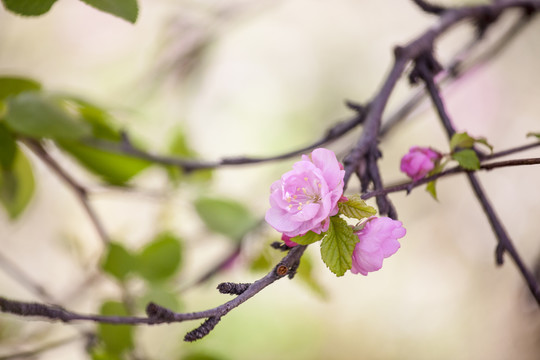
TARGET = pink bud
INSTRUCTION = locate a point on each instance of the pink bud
(419, 161)
(377, 241)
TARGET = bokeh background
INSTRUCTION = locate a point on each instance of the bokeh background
(261, 78)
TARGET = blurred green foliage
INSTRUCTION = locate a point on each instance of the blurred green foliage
(125, 9)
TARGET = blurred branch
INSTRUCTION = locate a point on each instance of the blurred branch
(355, 162)
(41, 349)
(24, 279)
(127, 148)
(461, 64)
(426, 67)
(404, 55)
(80, 191)
(157, 314)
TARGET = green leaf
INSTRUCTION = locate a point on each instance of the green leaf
(224, 216)
(8, 148)
(338, 245)
(125, 9)
(179, 145)
(461, 140)
(356, 208)
(430, 188)
(116, 338)
(118, 261)
(484, 142)
(10, 86)
(465, 141)
(32, 114)
(16, 185)
(534, 134)
(28, 7)
(309, 238)
(114, 168)
(467, 159)
(160, 259)
(201, 356)
(102, 354)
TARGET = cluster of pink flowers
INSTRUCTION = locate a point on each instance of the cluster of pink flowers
(306, 197)
(419, 161)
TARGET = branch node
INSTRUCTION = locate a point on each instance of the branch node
(233, 288)
(430, 8)
(425, 66)
(292, 270)
(281, 270)
(202, 330)
(398, 52)
(499, 254)
(278, 245)
(157, 312)
(359, 108)
(483, 22)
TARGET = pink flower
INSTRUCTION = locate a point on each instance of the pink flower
(377, 240)
(419, 161)
(305, 197)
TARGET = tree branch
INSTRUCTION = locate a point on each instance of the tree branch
(460, 65)
(157, 314)
(424, 70)
(410, 185)
(355, 161)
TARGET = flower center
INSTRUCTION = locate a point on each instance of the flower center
(303, 192)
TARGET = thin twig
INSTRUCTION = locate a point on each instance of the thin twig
(512, 151)
(24, 279)
(410, 185)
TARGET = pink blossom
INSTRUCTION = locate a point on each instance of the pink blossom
(305, 197)
(419, 161)
(377, 240)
